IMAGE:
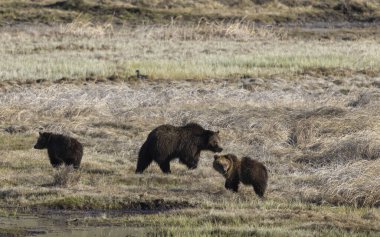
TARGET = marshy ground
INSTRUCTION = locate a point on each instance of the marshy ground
(303, 100)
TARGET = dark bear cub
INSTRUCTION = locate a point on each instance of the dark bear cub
(168, 142)
(246, 170)
(61, 149)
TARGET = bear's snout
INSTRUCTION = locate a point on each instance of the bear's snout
(37, 146)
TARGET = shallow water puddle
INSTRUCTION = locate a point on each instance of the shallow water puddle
(97, 231)
(52, 222)
(54, 225)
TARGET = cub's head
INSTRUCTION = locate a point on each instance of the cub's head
(213, 141)
(224, 164)
(43, 140)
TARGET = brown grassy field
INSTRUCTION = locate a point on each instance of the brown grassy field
(321, 150)
(162, 11)
(303, 101)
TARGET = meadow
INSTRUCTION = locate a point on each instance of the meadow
(304, 101)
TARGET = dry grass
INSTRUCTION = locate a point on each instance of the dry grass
(66, 176)
(119, 11)
(112, 120)
(292, 106)
(354, 183)
(85, 28)
(240, 30)
(216, 50)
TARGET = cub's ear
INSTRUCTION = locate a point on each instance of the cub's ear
(217, 132)
(48, 135)
(216, 157)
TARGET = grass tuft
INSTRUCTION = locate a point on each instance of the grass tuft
(66, 176)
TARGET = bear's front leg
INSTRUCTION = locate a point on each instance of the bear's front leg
(191, 161)
(232, 184)
(55, 161)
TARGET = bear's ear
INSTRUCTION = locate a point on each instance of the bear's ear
(48, 135)
(217, 132)
(207, 134)
(216, 157)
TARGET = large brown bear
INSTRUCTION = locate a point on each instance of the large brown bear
(61, 149)
(246, 170)
(168, 142)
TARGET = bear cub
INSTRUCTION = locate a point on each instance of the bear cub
(168, 142)
(247, 170)
(61, 149)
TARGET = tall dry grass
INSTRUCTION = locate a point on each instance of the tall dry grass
(352, 183)
(85, 28)
(204, 29)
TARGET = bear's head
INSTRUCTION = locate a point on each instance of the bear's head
(43, 140)
(224, 164)
(213, 141)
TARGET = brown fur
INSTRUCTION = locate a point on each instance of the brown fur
(61, 149)
(168, 142)
(247, 170)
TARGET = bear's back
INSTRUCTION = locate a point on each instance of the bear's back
(192, 128)
(251, 169)
(165, 133)
(63, 145)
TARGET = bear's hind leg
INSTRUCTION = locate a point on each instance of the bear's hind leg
(165, 167)
(259, 189)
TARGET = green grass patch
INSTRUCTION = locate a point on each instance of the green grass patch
(99, 56)
(113, 203)
(80, 203)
